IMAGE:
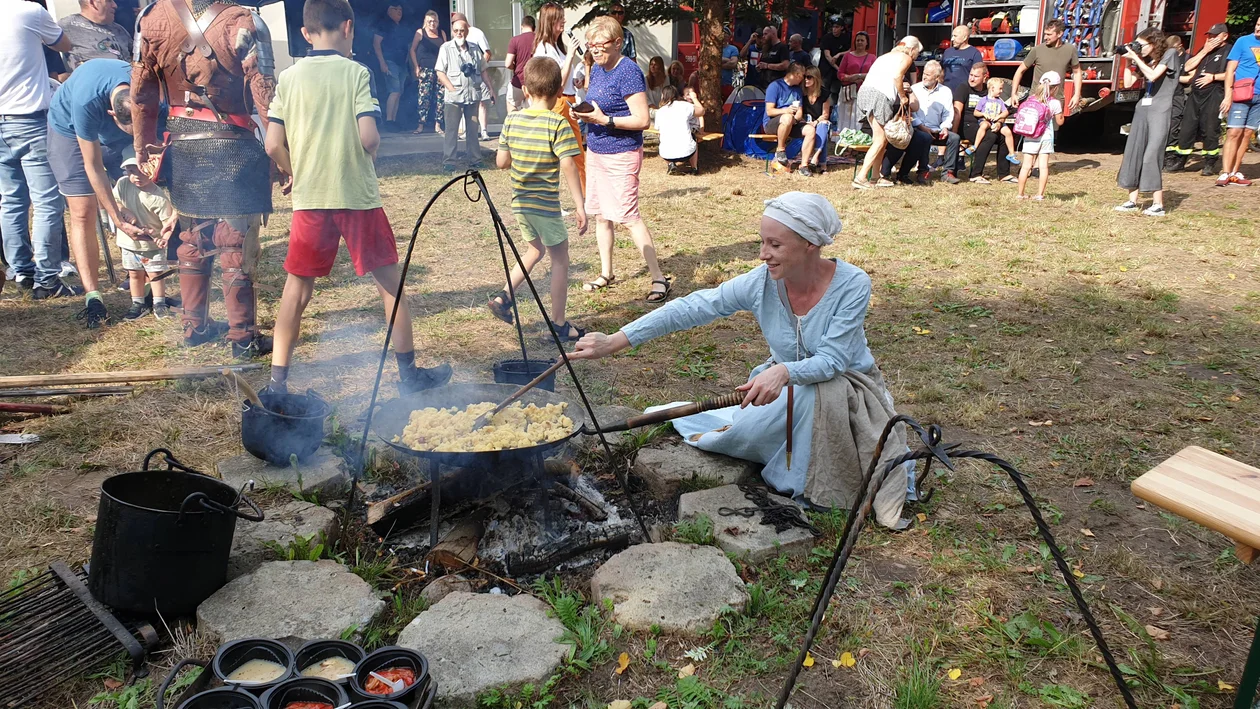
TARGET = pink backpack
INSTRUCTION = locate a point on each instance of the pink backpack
(1032, 118)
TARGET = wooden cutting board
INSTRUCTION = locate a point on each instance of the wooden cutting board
(1216, 491)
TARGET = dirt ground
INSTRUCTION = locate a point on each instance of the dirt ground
(1083, 345)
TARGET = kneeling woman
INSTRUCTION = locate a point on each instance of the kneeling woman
(811, 311)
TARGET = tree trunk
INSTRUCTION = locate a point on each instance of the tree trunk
(712, 41)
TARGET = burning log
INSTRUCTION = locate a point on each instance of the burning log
(459, 547)
(403, 507)
(595, 512)
(549, 556)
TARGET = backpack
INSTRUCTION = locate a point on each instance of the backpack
(1031, 118)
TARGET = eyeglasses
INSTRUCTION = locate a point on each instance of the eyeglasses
(599, 46)
(455, 31)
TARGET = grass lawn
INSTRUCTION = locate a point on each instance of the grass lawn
(1083, 345)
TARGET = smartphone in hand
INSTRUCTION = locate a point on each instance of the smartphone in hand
(584, 107)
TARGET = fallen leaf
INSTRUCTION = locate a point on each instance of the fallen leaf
(620, 704)
(1158, 584)
(847, 659)
(1223, 686)
(659, 705)
(984, 700)
(1087, 532)
(1124, 269)
(111, 684)
(808, 661)
(687, 671)
(1156, 611)
(1235, 397)
(1148, 352)
(623, 661)
(955, 673)
(975, 681)
(1055, 464)
(1232, 276)
(921, 517)
(1047, 422)
(1157, 633)
(863, 652)
(1083, 482)
(1078, 573)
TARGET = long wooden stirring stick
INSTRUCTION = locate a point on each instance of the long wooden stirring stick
(245, 388)
(484, 419)
(789, 427)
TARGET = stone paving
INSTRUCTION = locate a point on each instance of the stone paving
(745, 537)
(322, 472)
(682, 588)
(282, 524)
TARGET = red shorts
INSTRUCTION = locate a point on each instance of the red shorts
(316, 234)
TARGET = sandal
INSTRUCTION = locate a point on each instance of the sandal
(501, 307)
(596, 284)
(1010, 180)
(862, 184)
(885, 182)
(980, 180)
(656, 296)
(567, 328)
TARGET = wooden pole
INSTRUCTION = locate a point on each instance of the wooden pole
(68, 391)
(43, 409)
(141, 375)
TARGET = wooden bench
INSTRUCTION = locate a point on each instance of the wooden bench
(702, 138)
(1216, 491)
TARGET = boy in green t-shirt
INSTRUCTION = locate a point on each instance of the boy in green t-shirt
(323, 132)
(538, 144)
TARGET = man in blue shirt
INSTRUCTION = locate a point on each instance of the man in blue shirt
(730, 62)
(89, 123)
(959, 57)
(1244, 116)
(783, 110)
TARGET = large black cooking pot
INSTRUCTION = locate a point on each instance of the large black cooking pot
(291, 424)
(163, 537)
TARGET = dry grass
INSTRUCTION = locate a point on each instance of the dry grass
(1136, 337)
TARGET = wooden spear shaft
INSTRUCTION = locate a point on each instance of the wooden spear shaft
(141, 375)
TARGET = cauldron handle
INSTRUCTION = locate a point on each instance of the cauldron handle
(171, 462)
(211, 506)
(170, 677)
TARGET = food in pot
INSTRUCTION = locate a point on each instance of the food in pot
(517, 426)
(331, 668)
(393, 674)
(257, 672)
(309, 705)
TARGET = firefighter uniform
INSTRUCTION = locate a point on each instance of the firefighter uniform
(1203, 114)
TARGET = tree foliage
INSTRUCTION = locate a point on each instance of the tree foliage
(1242, 16)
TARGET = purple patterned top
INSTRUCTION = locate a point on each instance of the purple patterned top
(609, 90)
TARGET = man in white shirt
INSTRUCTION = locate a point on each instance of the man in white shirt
(26, 179)
(477, 37)
(936, 114)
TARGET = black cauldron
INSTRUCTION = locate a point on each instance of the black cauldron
(162, 538)
(292, 424)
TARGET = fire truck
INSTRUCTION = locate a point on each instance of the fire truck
(1004, 31)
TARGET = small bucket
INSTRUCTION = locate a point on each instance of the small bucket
(304, 689)
(520, 372)
(320, 650)
(231, 656)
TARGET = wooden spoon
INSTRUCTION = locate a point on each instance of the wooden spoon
(245, 388)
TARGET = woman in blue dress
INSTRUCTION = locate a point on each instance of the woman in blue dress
(811, 311)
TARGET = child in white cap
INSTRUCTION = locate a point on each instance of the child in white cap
(1039, 149)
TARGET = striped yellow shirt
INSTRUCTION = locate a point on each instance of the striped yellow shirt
(537, 139)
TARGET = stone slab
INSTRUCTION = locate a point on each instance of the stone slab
(665, 467)
(745, 537)
(290, 599)
(321, 473)
(282, 524)
(479, 641)
(445, 586)
(680, 587)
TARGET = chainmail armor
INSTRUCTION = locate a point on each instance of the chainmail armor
(216, 178)
(200, 6)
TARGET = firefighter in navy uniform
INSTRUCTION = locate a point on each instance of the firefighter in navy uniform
(1203, 106)
(213, 64)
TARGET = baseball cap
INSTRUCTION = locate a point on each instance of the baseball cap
(1218, 28)
(1052, 78)
(130, 162)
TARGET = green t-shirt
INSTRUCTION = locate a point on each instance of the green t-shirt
(1061, 59)
(319, 101)
(537, 139)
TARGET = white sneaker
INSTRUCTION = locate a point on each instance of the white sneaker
(1155, 210)
(1127, 207)
(10, 274)
(485, 136)
(68, 269)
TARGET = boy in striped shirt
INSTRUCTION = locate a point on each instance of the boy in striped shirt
(538, 145)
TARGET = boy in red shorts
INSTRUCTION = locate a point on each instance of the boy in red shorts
(323, 133)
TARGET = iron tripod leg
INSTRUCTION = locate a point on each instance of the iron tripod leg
(435, 516)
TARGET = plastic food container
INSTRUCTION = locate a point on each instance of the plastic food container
(386, 658)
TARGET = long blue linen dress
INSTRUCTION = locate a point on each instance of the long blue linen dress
(818, 346)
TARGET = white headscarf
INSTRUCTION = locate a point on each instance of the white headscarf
(810, 215)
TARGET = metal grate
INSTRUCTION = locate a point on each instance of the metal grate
(52, 630)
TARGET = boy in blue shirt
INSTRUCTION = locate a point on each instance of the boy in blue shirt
(783, 110)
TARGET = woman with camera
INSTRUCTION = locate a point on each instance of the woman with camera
(1140, 170)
